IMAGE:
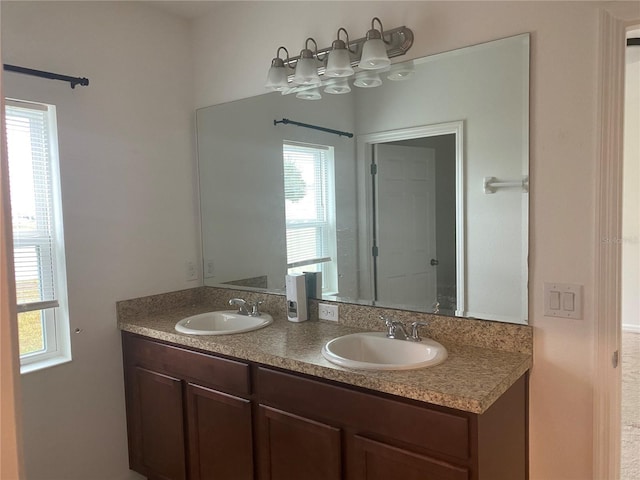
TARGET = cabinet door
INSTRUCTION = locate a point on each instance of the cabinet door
(220, 435)
(156, 431)
(378, 461)
(293, 447)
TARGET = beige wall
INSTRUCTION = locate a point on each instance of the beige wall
(126, 153)
(563, 159)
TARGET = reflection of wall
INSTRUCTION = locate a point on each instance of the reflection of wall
(631, 212)
(242, 191)
(445, 150)
(492, 104)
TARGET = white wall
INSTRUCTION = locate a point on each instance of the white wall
(563, 160)
(631, 200)
(126, 153)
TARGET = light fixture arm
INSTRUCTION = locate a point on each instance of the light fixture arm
(347, 46)
(373, 20)
(278, 53)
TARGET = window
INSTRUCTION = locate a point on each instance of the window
(38, 244)
(310, 212)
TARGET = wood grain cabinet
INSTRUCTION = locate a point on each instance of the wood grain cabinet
(196, 416)
(188, 414)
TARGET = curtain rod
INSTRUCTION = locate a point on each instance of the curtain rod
(52, 76)
(286, 121)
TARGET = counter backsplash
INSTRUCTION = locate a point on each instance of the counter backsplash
(481, 333)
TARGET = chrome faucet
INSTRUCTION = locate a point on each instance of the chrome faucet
(243, 307)
(397, 330)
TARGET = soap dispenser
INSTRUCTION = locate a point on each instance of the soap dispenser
(296, 297)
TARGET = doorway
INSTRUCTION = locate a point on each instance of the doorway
(411, 231)
(630, 292)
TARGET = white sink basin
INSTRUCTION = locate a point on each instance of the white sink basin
(222, 323)
(374, 351)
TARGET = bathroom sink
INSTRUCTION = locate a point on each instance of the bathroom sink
(374, 351)
(222, 323)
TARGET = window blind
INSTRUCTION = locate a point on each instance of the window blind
(30, 172)
(306, 188)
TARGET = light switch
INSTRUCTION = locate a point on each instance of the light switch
(563, 300)
(554, 300)
(568, 301)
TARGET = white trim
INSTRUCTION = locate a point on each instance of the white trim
(607, 379)
(363, 153)
(630, 328)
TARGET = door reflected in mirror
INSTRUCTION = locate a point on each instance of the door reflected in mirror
(399, 214)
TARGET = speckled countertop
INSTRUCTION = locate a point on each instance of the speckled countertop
(471, 378)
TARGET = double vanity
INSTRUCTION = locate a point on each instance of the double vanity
(268, 404)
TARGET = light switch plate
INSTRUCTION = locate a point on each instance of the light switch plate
(563, 300)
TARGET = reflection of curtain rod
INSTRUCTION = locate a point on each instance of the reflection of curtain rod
(51, 76)
(286, 121)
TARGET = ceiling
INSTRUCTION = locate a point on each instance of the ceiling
(188, 9)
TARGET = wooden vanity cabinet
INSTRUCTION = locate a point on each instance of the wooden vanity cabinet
(197, 416)
(188, 415)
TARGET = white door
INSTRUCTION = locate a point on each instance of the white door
(405, 224)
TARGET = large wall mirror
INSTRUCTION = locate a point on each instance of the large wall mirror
(425, 208)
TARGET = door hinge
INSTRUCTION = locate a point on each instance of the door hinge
(615, 359)
(374, 251)
(374, 169)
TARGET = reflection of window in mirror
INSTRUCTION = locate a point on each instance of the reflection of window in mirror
(309, 192)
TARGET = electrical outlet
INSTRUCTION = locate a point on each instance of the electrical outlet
(328, 312)
(209, 269)
(192, 271)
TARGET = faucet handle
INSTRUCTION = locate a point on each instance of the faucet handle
(391, 326)
(255, 308)
(415, 335)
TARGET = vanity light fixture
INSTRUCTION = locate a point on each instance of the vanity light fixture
(277, 76)
(367, 79)
(374, 51)
(339, 62)
(331, 67)
(307, 66)
(310, 94)
(401, 71)
(338, 87)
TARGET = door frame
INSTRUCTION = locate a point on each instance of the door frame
(364, 149)
(608, 324)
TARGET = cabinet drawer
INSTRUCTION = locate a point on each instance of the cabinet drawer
(375, 416)
(207, 370)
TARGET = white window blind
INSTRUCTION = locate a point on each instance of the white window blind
(32, 208)
(307, 188)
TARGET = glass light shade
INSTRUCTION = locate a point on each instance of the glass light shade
(277, 78)
(338, 87)
(401, 71)
(310, 94)
(374, 55)
(367, 79)
(339, 63)
(306, 70)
